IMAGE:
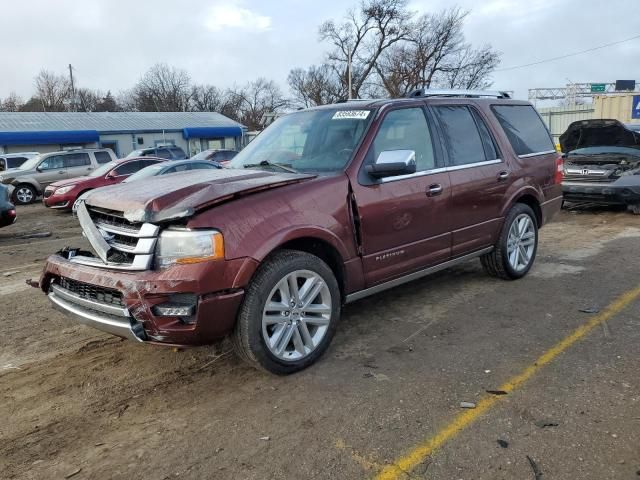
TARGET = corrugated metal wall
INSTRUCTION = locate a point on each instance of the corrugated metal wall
(615, 106)
(558, 119)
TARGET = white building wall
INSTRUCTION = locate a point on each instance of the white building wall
(558, 119)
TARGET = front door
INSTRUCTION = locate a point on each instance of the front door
(403, 219)
(479, 178)
(51, 169)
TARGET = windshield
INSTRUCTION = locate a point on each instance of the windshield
(202, 155)
(307, 141)
(144, 173)
(31, 163)
(605, 150)
(103, 169)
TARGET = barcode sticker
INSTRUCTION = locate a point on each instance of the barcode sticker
(351, 115)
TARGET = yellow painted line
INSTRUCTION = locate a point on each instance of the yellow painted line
(420, 452)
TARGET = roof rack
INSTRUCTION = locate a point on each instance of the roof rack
(430, 92)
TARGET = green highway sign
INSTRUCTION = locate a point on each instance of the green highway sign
(598, 87)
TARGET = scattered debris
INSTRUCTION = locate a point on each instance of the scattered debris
(32, 283)
(497, 392)
(534, 466)
(367, 375)
(467, 405)
(590, 310)
(545, 423)
(99, 444)
(503, 443)
(74, 473)
(12, 272)
(487, 371)
(370, 365)
(36, 235)
(265, 439)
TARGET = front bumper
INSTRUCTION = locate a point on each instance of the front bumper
(624, 191)
(217, 290)
(61, 202)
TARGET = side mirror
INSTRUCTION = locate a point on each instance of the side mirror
(38, 168)
(111, 175)
(391, 163)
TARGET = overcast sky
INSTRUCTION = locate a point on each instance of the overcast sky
(111, 43)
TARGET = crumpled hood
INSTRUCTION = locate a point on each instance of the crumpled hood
(596, 133)
(180, 195)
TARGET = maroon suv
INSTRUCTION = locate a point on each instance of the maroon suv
(326, 206)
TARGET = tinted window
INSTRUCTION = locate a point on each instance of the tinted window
(128, 168)
(102, 157)
(15, 162)
(202, 166)
(177, 153)
(146, 163)
(464, 145)
(76, 160)
(524, 128)
(177, 168)
(163, 153)
(223, 156)
(406, 129)
(490, 149)
(52, 163)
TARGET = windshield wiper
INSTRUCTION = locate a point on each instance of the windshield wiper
(267, 163)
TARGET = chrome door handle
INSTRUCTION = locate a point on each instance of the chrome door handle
(61, 172)
(503, 175)
(434, 190)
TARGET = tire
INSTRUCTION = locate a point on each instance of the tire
(499, 262)
(260, 334)
(24, 194)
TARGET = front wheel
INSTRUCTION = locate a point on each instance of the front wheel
(289, 314)
(24, 194)
(517, 245)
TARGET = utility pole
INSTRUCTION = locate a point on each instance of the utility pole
(73, 89)
(349, 73)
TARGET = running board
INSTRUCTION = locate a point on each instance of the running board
(414, 276)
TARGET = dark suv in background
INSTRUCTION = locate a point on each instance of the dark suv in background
(325, 207)
(166, 152)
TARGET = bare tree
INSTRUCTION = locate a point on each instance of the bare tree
(470, 68)
(317, 85)
(253, 100)
(207, 98)
(87, 100)
(54, 91)
(162, 89)
(13, 103)
(367, 32)
(108, 104)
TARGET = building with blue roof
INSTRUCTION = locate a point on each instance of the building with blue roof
(123, 132)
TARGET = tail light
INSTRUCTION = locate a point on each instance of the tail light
(557, 178)
(11, 213)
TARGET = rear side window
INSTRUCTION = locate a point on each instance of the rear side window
(202, 166)
(524, 128)
(177, 153)
(102, 157)
(178, 168)
(164, 153)
(145, 163)
(463, 141)
(128, 168)
(76, 160)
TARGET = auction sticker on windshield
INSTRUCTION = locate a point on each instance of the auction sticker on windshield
(351, 115)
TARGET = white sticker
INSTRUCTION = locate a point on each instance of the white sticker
(351, 115)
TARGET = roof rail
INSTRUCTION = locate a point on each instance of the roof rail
(431, 92)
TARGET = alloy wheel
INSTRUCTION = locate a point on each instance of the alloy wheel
(24, 195)
(297, 315)
(521, 242)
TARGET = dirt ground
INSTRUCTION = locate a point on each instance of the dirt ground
(77, 403)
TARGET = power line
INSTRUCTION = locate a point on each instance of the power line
(567, 55)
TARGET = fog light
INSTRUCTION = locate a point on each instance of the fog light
(173, 310)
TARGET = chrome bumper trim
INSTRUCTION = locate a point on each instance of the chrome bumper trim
(140, 262)
(120, 326)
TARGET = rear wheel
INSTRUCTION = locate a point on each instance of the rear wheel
(24, 194)
(289, 314)
(515, 251)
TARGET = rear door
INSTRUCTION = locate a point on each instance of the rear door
(77, 164)
(479, 177)
(403, 219)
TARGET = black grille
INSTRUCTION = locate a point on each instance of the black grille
(113, 218)
(116, 256)
(94, 293)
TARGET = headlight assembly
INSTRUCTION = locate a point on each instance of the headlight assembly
(63, 190)
(185, 247)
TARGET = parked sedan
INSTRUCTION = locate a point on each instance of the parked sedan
(62, 195)
(171, 167)
(7, 209)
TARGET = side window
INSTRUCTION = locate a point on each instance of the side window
(406, 129)
(524, 128)
(145, 163)
(55, 162)
(490, 149)
(76, 160)
(163, 153)
(178, 168)
(202, 166)
(463, 142)
(177, 153)
(102, 157)
(128, 168)
(15, 162)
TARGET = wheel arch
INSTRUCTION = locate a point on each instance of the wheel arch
(530, 197)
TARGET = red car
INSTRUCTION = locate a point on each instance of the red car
(62, 195)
